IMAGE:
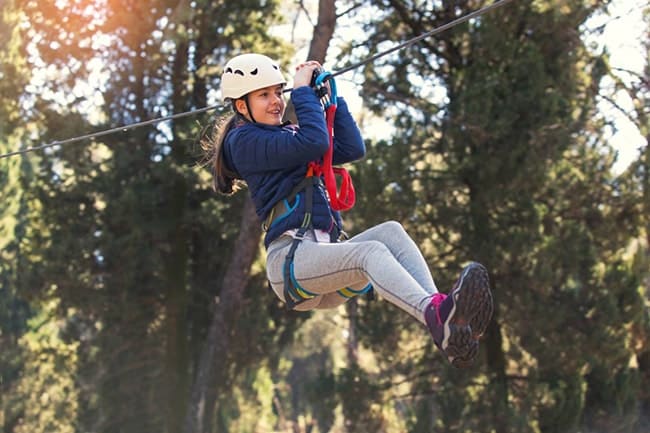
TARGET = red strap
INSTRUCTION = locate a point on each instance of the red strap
(345, 198)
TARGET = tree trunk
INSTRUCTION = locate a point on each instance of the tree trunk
(176, 377)
(226, 308)
(217, 341)
(176, 358)
(323, 30)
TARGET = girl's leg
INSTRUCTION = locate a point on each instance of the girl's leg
(321, 268)
(396, 272)
(276, 256)
(403, 248)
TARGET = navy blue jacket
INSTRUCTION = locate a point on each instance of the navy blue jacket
(274, 159)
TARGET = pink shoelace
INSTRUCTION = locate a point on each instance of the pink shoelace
(436, 300)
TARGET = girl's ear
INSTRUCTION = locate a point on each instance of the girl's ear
(241, 107)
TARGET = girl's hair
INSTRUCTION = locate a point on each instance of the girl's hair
(224, 180)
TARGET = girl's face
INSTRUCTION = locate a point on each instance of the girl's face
(266, 105)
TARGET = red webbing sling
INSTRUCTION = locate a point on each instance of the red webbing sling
(343, 198)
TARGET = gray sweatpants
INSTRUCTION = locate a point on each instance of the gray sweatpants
(384, 255)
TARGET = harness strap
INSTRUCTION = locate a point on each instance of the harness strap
(349, 293)
(292, 296)
(284, 207)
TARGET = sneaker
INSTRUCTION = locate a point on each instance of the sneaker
(457, 321)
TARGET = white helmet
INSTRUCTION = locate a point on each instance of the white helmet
(248, 72)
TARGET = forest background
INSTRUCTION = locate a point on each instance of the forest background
(133, 299)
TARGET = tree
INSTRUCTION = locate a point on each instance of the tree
(495, 157)
(131, 248)
(635, 182)
(15, 174)
(237, 276)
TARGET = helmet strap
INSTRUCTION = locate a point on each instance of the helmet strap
(248, 107)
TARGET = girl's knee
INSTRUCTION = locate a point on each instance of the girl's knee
(393, 229)
(376, 250)
(392, 225)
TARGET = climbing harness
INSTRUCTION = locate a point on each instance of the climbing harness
(342, 199)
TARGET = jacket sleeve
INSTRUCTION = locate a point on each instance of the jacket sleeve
(255, 148)
(348, 143)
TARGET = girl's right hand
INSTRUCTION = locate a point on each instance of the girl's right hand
(304, 72)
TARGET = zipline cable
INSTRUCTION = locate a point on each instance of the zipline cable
(370, 59)
(112, 131)
(416, 39)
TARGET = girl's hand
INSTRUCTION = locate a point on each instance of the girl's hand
(304, 72)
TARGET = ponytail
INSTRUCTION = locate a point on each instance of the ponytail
(225, 180)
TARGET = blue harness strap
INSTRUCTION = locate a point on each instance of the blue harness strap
(292, 291)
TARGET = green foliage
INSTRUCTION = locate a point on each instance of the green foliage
(125, 228)
(613, 399)
(47, 394)
(15, 174)
(359, 397)
(510, 172)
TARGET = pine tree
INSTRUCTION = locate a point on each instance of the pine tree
(15, 173)
(496, 157)
(133, 241)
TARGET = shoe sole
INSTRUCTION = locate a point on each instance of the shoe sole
(469, 316)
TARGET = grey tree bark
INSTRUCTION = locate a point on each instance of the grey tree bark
(225, 309)
(217, 343)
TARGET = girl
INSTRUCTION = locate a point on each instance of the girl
(306, 265)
